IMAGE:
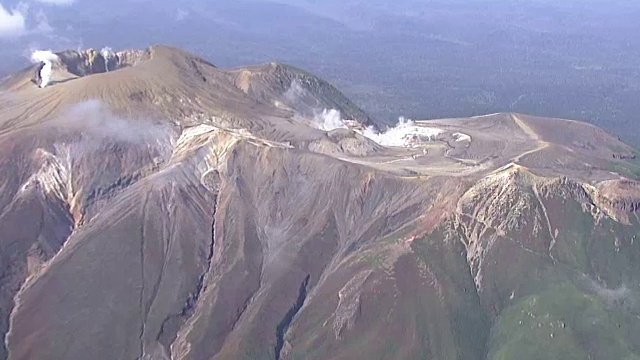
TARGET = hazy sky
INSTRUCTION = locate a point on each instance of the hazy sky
(59, 24)
(417, 58)
(31, 19)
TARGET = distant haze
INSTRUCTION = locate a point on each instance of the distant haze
(420, 59)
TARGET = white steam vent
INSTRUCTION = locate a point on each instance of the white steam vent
(46, 59)
(405, 134)
(108, 56)
(329, 119)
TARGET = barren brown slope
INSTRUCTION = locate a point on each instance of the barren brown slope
(173, 210)
(292, 88)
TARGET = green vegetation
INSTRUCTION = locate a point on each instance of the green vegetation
(627, 169)
(468, 320)
(375, 258)
(574, 231)
(563, 323)
(566, 314)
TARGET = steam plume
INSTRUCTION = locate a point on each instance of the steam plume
(46, 58)
(406, 133)
(107, 54)
(96, 123)
(329, 120)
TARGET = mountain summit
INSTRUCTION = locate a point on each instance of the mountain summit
(154, 206)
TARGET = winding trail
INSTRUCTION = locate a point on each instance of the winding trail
(534, 135)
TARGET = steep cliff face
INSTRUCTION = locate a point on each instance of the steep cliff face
(620, 197)
(173, 210)
(522, 263)
(91, 61)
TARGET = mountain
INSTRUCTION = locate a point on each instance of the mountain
(154, 206)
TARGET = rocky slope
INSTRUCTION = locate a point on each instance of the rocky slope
(169, 209)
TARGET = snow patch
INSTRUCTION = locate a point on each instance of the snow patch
(461, 137)
(485, 116)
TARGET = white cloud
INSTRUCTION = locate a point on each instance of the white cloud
(181, 15)
(42, 23)
(57, 2)
(12, 23)
(23, 20)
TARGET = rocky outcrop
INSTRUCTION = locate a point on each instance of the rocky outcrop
(619, 197)
(624, 156)
(91, 61)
